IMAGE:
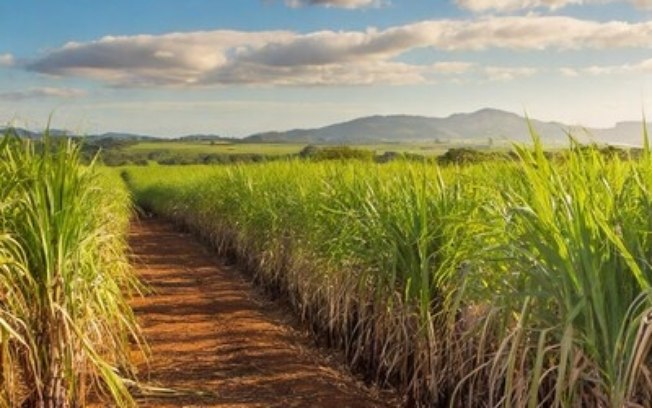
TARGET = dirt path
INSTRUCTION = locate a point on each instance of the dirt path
(210, 331)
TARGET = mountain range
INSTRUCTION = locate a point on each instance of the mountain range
(480, 126)
(477, 126)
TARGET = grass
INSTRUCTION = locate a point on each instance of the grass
(223, 148)
(205, 147)
(368, 254)
(580, 240)
(64, 319)
(522, 283)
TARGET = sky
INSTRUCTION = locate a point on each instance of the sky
(237, 67)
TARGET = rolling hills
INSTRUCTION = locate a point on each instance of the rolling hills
(477, 126)
(482, 126)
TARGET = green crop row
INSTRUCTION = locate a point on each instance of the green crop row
(65, 323)
(522, 283)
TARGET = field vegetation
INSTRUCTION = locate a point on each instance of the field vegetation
(121, 152)
(65, 324)
(520, 282)
(480, 278)
(117, 152)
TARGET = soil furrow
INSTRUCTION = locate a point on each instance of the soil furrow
(217, 342)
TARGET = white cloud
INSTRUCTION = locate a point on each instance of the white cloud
(7, 60)
(152, 60)
(455, 70)
(534, 33)
(642, 67)
(324, 57)
(45, 92)
(348, 4)
(569, 72)
(225, 57)
(360, 73)
(513, 5)
(508, 73)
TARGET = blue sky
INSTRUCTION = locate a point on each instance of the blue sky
(170, 67)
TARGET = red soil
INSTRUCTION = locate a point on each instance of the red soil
(217, 342)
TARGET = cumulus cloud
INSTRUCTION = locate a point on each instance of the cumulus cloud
(151, 60)
(201, 58)
(348, 4)
(7, 60)
(324, 57)
(368, 73)
(45, 92)
(513, 5)
(642, 67)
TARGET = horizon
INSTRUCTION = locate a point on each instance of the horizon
(564, 126)
(256, 66)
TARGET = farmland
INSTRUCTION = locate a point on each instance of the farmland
(520, 282)
(200, 147)
(326, 204)
(500, 284)
(64, 278)
(205, 147)
(166, 152)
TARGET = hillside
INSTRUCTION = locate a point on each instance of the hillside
(476, 126)
(403, 128)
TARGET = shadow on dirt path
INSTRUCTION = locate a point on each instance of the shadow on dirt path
(210, 331)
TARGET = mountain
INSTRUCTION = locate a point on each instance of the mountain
(29, 134)
(474, 127)
(464, 127)
(624, 133)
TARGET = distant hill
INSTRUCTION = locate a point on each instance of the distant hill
(624, 133)
(64, 133)
(475, 126)
(122, 136)
(61, 133)
(399, 128)
(34, 135)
